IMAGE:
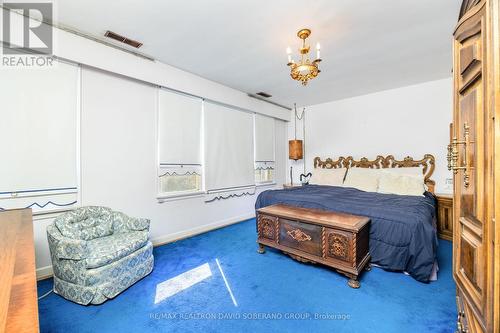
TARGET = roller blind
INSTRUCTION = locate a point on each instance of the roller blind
(264, 138)
(229, 154)
(38, 127)
(180, 128)
(118, 139)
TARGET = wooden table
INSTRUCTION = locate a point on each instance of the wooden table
(311, 235)
(18, 295)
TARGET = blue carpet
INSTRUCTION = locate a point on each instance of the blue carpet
(272, 293)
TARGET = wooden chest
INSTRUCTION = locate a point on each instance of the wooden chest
(311, 235)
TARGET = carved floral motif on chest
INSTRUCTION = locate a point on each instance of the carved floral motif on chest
(299, 235)
(267, 227)
(338, 246)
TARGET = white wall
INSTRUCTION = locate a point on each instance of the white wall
(118, 162)
(407, 121)
(118, 150)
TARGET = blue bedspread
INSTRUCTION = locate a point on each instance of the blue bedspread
(402, 232)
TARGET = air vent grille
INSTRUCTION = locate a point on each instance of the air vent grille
(264, 94)
(122, 39)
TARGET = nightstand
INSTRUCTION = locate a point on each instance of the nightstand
(445, 216)
(289, 186)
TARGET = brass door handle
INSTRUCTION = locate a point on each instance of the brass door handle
(450, 157)
(298, 235)
(453, 155)
(461, 328)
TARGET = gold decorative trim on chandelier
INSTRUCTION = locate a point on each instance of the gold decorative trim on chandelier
(305, 69)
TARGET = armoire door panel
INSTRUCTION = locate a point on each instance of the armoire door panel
(471, 261)
(470, 62)
(473, 171)
(470, 109)
(470, 56)
(468, 257)
(471, 320)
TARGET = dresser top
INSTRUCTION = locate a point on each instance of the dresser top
(18, 295)
(317, 216)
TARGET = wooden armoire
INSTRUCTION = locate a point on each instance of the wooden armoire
(474, 155)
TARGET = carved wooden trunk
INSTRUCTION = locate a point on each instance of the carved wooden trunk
(310, 235)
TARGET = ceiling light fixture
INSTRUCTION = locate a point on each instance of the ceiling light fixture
(305, 69)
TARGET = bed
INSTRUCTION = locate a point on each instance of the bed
(403, 234)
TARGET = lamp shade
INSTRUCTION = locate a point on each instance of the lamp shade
(295, 151)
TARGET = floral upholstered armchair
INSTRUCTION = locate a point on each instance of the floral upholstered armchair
(97, 253)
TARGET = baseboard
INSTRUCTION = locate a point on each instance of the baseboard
(43, 273)
(162, 240)
(46, 272)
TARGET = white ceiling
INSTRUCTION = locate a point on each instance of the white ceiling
(367, 45)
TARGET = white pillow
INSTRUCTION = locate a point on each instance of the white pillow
(332, 177)
(401, 184)
(412, 171)
(364, 179)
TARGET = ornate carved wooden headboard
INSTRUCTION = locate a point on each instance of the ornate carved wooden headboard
(427, 164)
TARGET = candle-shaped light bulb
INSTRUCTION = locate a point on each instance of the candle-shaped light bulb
(318, 47)
(289, 53)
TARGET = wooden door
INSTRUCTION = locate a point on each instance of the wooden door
(471, 153)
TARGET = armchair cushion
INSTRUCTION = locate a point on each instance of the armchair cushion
(106, 250)
(64, 247)
(125, 223)
(86, 223)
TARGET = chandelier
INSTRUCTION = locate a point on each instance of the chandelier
(305, 69)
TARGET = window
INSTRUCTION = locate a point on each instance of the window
(264, 149)
(180, 178)
(38, 138)
(180, 169)
(229, 148)
(207, 146)
(264, 172)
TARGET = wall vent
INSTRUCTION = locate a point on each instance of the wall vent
(122, 39)
(264, 94)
